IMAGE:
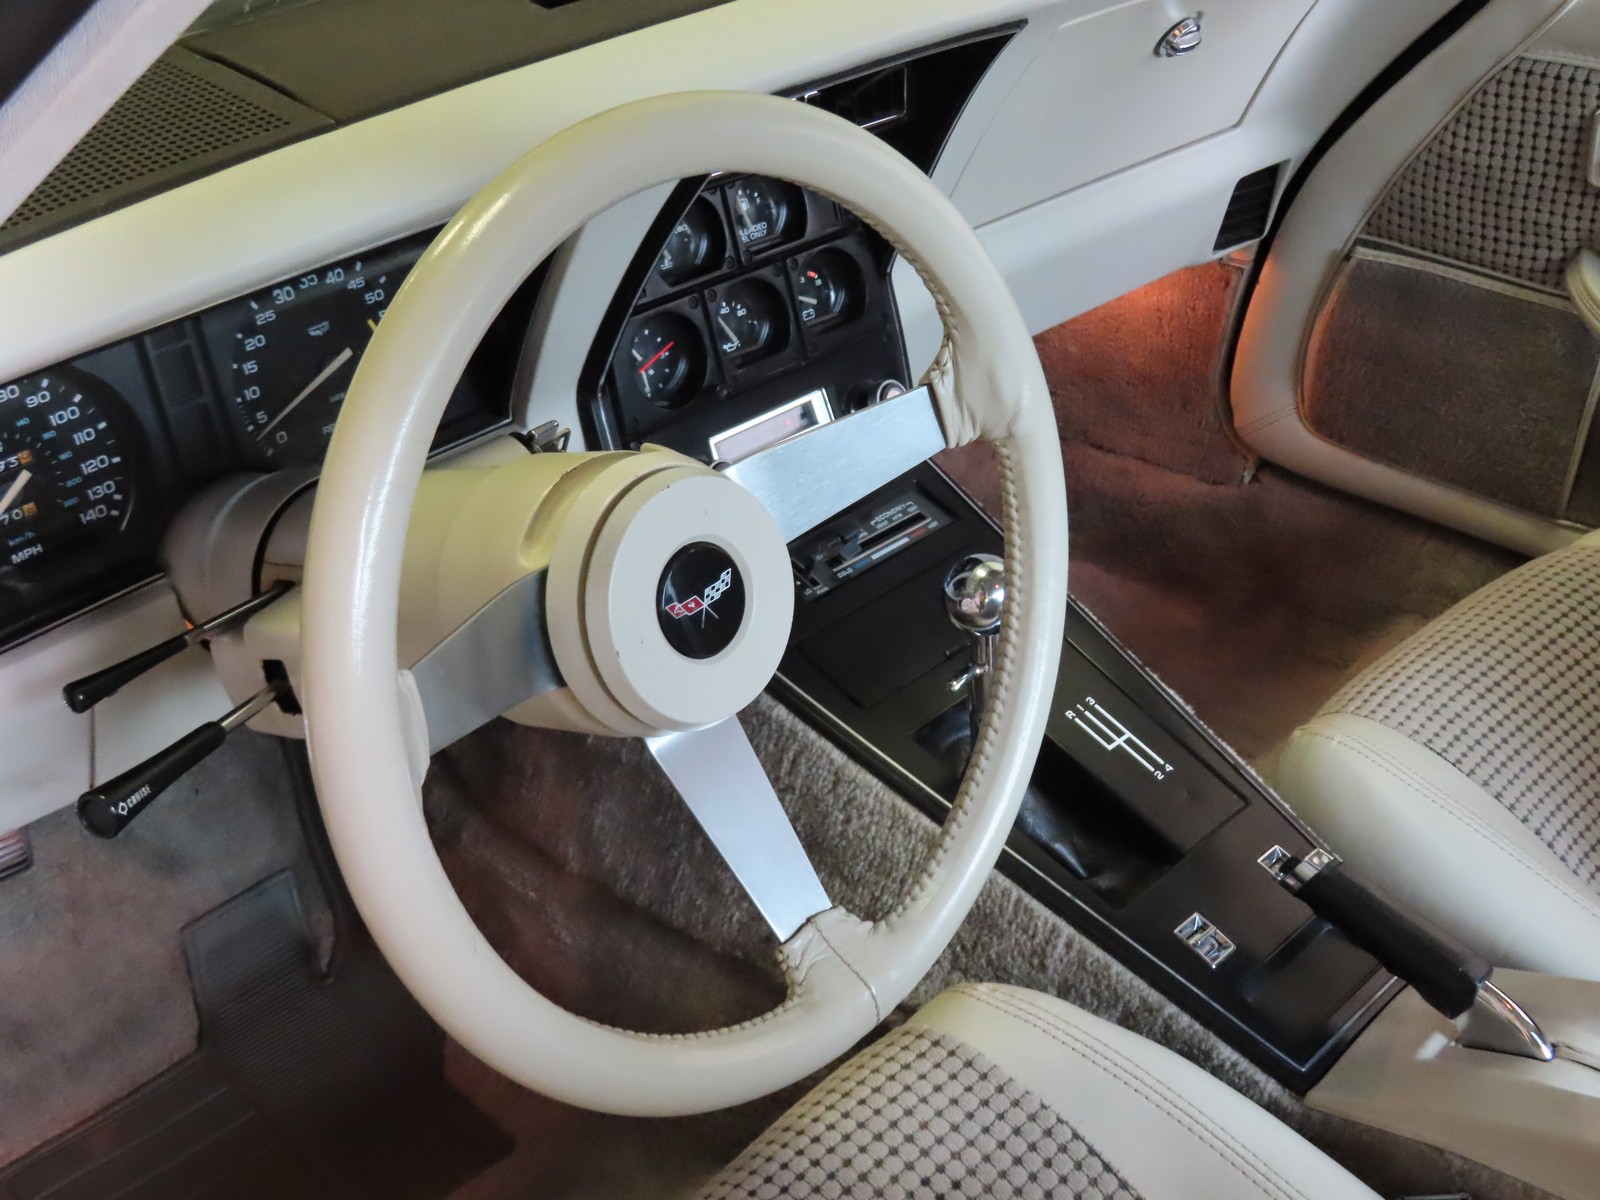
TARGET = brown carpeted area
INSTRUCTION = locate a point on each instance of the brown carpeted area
(1253, 592)
(1254, 596)
(601, 808)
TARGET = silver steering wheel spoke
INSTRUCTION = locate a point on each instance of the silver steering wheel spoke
(809, 478)
(496, 659)
(717, 774)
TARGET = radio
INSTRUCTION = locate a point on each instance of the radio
(862, 538)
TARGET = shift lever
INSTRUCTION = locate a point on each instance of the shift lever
(975, 598)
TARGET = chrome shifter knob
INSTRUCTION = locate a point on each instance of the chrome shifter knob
(975, 593)
(975, 599)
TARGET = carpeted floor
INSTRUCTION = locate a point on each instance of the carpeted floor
(94, 995)
(1254, 599)
(555, 805)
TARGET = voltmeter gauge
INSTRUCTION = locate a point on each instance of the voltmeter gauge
(827, 287)
(64, 478)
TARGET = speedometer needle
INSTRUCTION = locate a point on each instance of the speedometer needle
(343, 357)
(15, 490)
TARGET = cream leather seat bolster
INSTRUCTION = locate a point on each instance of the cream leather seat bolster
(1435, 840)
(1170, 1129)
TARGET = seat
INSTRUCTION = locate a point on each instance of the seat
(1461, 772)
(997, 1091)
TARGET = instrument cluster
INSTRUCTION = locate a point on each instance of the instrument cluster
(96, 454)
(750, 293)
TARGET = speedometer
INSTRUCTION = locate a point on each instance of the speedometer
(63, 480)
(294, 347)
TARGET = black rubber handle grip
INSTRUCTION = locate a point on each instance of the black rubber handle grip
(1445, 973)
(107, 810)
(83, 694)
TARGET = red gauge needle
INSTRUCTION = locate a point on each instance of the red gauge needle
(652, 360)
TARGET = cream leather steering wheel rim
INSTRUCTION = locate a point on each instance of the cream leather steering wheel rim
(845, 975)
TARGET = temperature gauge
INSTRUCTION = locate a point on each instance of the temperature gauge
(661, 360)
(693, 247)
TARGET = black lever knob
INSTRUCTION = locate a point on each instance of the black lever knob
(83, 694)
(108, 808)
(1445, 973)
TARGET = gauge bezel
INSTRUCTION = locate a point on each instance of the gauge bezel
(112, 558)
(641, 412)
(855, 286)
(716, 256)
(866, 311)
(781, 348)
(793, 223)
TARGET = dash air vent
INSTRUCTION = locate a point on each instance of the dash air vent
(874, 101)
(1249, 209)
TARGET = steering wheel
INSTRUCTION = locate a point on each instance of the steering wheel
(549, 587)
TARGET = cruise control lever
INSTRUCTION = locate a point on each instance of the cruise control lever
(109, 808)
(1447, 974)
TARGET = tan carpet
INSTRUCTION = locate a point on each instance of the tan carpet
(558, 803)
(1255, 600)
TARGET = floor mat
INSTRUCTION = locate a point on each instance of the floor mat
(562, 803)
(94, 995)
(1254, 595)
(321, 1086)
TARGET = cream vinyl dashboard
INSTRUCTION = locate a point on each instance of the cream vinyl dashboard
(1089, 164)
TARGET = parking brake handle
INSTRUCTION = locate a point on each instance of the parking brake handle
(1450, 976)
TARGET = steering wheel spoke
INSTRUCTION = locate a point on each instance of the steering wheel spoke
(717, 774)
(807, 479)
(496, 659)
(640, 544)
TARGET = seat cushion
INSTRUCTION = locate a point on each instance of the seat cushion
(995, 1091)
(1462, 770)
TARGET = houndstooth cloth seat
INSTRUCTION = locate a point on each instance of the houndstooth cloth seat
(1462, 770)
(1003, 1093)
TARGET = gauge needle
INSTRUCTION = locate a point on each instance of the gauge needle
(732, 336)
(654, 358)
(15, 490)
(344, 356)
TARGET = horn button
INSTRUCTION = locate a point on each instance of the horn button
(670, 606)
(700, 600)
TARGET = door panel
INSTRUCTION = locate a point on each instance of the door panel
(1411, 338)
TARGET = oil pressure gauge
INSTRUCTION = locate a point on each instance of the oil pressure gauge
(749, 322)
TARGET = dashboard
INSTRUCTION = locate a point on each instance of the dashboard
(755, 310)
(99, 452)
(1087, 165)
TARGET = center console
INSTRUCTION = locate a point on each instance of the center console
(755, 310)
(1140, 827)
